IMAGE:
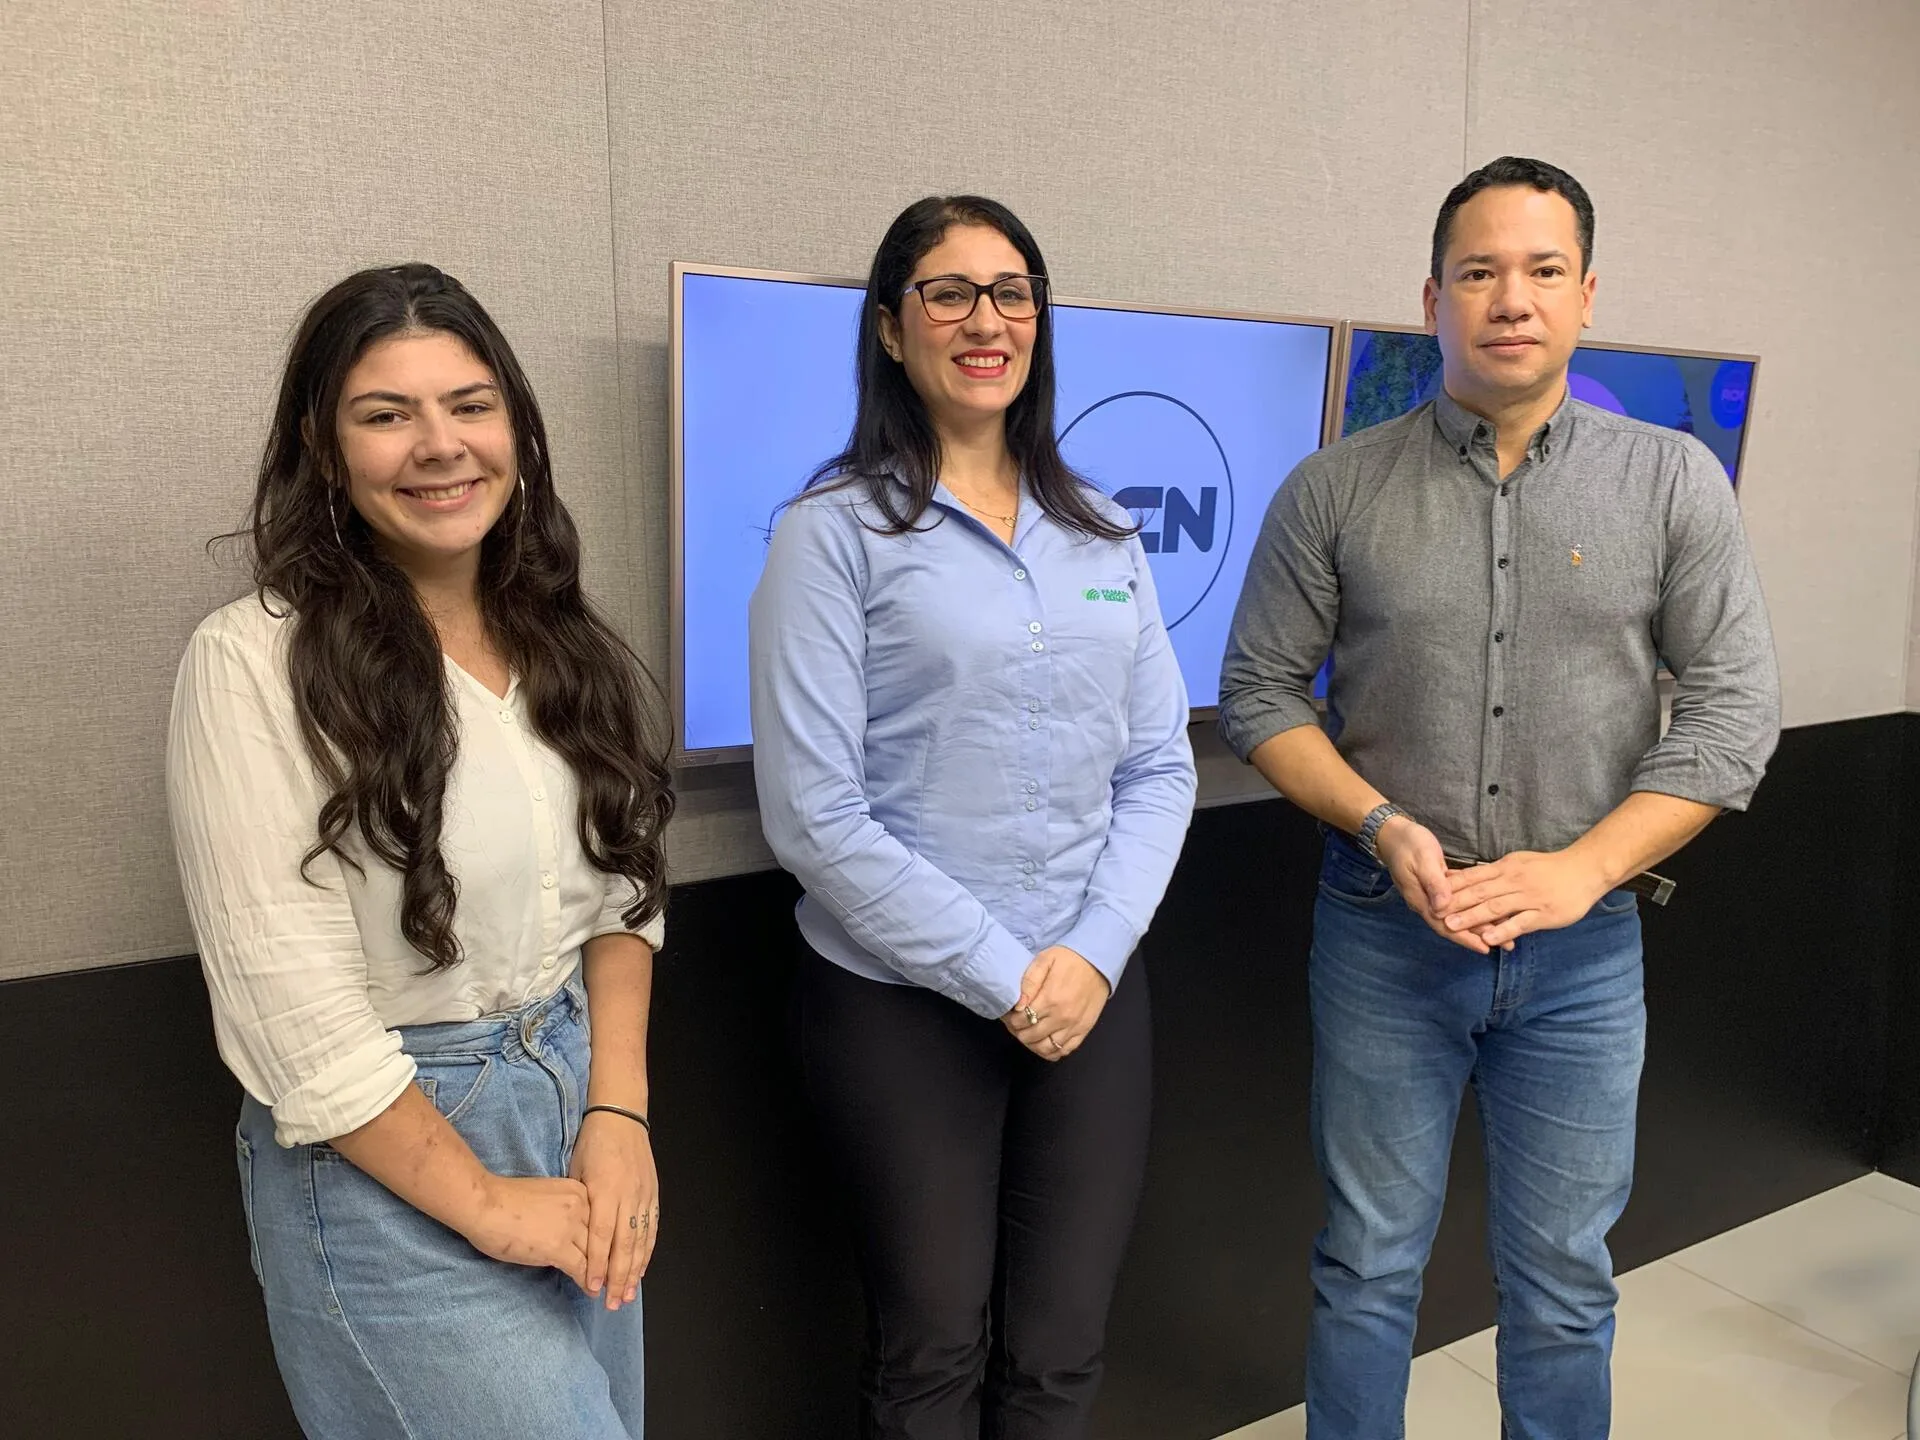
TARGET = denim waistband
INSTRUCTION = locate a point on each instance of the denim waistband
(1347, 846)
(496, 1034)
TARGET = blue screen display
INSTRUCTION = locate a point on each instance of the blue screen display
(1388, 373)
(1190, 422)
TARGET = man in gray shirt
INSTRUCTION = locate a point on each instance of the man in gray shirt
(1497, 576)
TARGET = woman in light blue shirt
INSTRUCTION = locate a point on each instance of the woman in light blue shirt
(970, 744)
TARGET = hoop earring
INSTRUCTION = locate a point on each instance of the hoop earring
(335, 518)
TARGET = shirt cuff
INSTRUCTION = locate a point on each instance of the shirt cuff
(987, 982)
(612, 920)
(1247, 732)
(1691, 773)
(1105, 939)
(347, 1094)
(654, 932)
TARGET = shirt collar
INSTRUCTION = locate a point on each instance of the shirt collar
(1459, 426)
(942, 496)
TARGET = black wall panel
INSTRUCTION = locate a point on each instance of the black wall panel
(1900, 1150)
(1775, 982)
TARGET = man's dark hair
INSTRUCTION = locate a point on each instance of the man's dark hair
(1516, 170)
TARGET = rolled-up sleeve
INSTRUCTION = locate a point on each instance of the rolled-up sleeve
(282, 957)
(621, 893)
(807, 645)
(1713, 632)
(1284, 623)
(1153, 793)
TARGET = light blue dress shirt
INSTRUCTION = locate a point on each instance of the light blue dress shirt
(966, 751)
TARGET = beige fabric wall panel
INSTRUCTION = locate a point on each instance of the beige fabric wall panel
(180, 181)
(1753, 168)
(1262, 156)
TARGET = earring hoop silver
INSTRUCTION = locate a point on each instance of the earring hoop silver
(335, 518)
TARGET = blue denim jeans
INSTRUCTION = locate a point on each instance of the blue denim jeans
(1551, 1036)
(388, 1324)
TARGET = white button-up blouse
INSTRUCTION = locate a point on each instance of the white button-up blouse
(309, 981)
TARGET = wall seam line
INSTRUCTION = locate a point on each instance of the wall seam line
(631, 604)
(1466, 97)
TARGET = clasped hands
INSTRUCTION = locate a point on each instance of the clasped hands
(1488, 907)
(1061, 996)
(597, 1225)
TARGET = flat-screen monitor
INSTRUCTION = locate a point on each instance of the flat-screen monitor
(1188, 419)
(1390, 369)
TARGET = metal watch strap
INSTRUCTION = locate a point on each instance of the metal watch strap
(1368, 837)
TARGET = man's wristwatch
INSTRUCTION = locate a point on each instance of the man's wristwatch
(1368, 836)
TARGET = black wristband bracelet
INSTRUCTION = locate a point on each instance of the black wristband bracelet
(633, 1115)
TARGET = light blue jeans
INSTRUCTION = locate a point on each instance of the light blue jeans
(1551, 1036)
(388, 1324)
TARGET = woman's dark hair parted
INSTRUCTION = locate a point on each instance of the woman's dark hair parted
(892, 432)
(1516, 170)
(368, 679)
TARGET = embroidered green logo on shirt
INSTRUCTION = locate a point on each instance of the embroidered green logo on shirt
(1118, 597)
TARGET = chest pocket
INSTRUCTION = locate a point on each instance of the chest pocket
(1589, 566)
(1095, 635)
(1102, 612)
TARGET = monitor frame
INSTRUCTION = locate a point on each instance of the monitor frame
(681, 757)
(1342, 375)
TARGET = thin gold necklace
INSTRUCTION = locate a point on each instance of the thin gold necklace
(1003, 519)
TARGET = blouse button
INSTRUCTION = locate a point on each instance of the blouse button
(1033, 804)
(1033, 724)
(1039, 645)
(1019, 574)
(1033, 626)
(547, 881)
(506, 717)
(539, 794)
(547, 964)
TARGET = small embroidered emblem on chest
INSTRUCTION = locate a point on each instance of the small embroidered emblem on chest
(1578, 558)
(1117, 597)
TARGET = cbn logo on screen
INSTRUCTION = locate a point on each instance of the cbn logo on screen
(1182, 517)
(1161, 462)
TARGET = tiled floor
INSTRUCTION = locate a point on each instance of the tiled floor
(1800, 1326)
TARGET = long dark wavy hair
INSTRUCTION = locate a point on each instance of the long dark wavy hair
(369, 683)
(892, 432)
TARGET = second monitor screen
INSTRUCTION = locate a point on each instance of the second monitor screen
(1390, 371)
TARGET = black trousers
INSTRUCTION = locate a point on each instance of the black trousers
(993, 1193)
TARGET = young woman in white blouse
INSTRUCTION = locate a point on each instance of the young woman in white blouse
(419, 820)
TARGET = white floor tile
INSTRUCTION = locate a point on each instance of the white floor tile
(1844, 1265)
(1800, 1326)
(1694, 1362)
(1894, 1192)
(1445, 1401)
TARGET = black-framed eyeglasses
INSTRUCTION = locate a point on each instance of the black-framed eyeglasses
(949, 299)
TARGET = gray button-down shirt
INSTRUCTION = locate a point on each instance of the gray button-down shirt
(1495, 641)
